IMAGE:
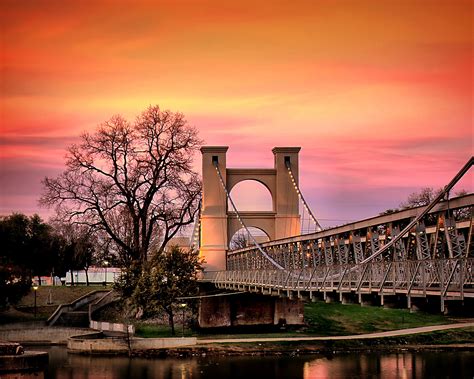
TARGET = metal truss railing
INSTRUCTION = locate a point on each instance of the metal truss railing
(446, 238)
(451, 277)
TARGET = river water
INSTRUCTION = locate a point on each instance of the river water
(427, 364)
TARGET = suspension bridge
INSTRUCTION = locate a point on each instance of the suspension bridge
(416, 257)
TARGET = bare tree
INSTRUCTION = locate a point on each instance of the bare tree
(133, 181)
(421, 198)
(425, 196)
(239, 241)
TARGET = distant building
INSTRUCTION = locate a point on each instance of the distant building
(46, 281)
(97, 275)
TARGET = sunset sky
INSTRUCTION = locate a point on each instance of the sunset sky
(378, 94)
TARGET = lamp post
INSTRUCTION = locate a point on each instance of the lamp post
(105, 275)
(35, 288)
(183, 307)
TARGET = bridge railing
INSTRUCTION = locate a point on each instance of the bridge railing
(442, 277)
(446, 232)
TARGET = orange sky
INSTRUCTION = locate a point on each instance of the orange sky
(378, 94)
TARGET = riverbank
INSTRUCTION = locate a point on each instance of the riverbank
(330, 328)
(321, 319)
(301, 349)
(439, 337)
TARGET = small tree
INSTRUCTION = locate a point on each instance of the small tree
(167, 276)
(14, 283)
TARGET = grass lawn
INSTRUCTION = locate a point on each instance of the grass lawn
(47, 300)
(57, 295)
(159, 331)
(343, 319)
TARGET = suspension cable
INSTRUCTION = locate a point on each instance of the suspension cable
(300, 195)
(272, 261)
(195, 236)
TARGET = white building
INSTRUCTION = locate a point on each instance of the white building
(97, 275)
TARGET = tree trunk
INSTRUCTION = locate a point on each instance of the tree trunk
(171, 322)
(72, 278)
(39, 280)
(87, 276)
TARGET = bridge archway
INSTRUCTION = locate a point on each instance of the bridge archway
(264, 221)
(241, 239)
(219, 222)
(251, 195)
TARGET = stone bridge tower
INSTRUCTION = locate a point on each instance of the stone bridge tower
(218, 223)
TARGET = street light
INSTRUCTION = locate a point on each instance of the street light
(183, 307)
(35, 288)
(105, 276)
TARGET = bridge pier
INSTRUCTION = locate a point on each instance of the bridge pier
(368, 299)
(459, 307)
(430, 304)
(303, 296)
(416, 304)
(330, 297)
(347, 298)
(316, 296)
(249, 309)
(392, 300)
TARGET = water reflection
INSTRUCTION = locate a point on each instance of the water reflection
(399, 365)
(371, 365)
(377, 366)
(72, 366)
(22, 375)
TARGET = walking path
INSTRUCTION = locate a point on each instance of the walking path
(391, 333)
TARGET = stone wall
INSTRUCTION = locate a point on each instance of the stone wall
(90, 344)
(53, 335)
(214, 312)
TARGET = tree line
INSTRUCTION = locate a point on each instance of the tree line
(33, 248)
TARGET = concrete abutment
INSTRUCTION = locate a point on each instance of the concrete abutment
(248, 309)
